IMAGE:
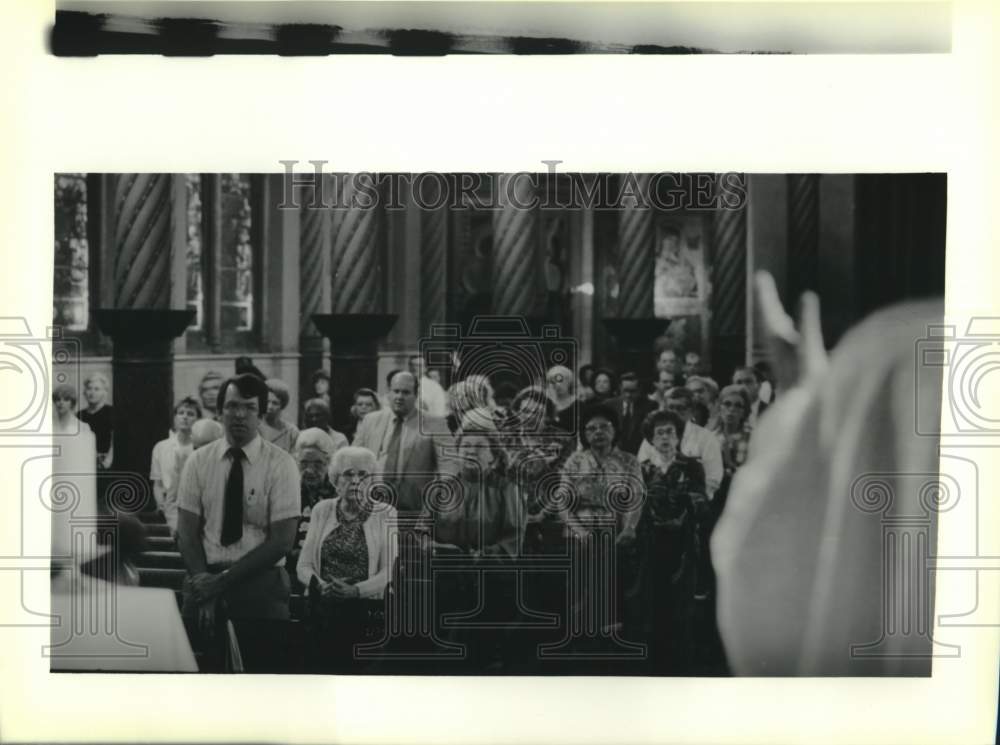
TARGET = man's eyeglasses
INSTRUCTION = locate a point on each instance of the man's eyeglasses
(234, 407)
(604, 427)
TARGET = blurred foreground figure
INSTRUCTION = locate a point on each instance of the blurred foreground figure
(804, 572)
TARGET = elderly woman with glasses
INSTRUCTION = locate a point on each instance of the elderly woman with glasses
(347, 556)
(604, 478)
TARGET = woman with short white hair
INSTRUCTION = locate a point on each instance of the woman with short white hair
(347, 550)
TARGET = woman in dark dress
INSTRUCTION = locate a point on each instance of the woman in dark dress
(98, 415)
(661, 602)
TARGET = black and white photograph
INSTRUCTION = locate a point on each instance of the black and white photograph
(498, 424)
(409, 371)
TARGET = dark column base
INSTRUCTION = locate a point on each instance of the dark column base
(728, 352)
(311, 360)
(142, 367)
(354, 357)
(634, 338)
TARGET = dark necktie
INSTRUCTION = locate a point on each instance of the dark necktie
(627, 416)
(232, 515)
(392, 452)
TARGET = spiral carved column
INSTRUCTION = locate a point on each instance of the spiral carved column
(313, 294)
(516, 268)
(729, 284)
(354, 254)
(312, 247)
(142, 222)
(356, 323)
(141, 323)
(803, 232)
(637, 256)
(433, 267)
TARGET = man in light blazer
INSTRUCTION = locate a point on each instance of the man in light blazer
(410, 446)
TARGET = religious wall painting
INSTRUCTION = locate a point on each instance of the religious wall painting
(681, 288)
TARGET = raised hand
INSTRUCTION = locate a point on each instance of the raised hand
(796, 354)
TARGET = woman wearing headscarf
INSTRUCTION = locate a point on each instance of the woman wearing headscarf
(470, 400)
(800, 555)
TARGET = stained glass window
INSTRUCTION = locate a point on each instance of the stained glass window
(71, 307)
(195, 290)
(236, 254)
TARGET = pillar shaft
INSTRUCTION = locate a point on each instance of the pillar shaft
(803, 232)
(637, 255)
(517, 270)
(729, 288)
(142, 240)
(355, 268)
(433, 267)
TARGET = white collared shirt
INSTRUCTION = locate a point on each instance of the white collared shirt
(271, 493)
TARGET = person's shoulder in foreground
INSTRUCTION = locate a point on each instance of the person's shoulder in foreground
(800, 564)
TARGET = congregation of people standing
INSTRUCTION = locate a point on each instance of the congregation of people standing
(266, 502)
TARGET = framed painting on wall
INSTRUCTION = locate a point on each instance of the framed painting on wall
(681, 288)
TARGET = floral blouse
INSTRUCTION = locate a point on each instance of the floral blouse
(344, 554)
(602, 486)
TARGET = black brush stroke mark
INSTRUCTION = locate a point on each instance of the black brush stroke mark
(188, 37)
(305, 39)
(84, 34)
(419, 43)
(532, 45)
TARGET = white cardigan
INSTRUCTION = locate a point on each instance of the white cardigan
(381, 550)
